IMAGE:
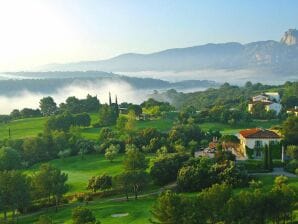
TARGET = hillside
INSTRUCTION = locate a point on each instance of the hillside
(52, 82)
(269, 58)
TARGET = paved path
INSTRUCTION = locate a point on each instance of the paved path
(277, 172)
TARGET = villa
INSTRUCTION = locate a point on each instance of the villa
(270, 100)
(255, 139)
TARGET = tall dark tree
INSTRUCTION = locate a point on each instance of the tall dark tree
(48, 106)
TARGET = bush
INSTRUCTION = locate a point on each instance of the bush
(292, 166)
(81, 215)
(43, 219)
(164, 169)
(254, 166)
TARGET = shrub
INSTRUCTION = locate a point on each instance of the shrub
(292, 166)
(82, 215)
(165, 168)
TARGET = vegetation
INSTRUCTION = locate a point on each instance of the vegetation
(77, 157)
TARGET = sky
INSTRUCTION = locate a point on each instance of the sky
(38, 32)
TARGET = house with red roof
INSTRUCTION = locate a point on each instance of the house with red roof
(255, 139)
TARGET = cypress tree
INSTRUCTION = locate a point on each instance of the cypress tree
(269, 158)
(265, 157)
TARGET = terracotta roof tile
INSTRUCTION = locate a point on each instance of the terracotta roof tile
(258, 133)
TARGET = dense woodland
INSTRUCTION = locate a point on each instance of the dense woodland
(202, 190)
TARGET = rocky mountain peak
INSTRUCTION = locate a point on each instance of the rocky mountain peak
(290, 37)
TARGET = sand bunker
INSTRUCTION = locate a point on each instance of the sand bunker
(119, 215)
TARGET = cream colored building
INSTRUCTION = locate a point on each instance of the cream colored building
(270, 100)
(255, 139)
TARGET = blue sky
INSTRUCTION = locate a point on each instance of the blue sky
(47, 31)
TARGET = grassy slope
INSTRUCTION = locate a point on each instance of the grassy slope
(32, 126)
(228, 129)
(81, 170)
(22, 128)
(139, 211)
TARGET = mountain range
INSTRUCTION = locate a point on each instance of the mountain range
(267, 59)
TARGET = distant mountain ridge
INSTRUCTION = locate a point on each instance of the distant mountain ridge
(51, 82)
(265, 57)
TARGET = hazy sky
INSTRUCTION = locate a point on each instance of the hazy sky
(36, 32)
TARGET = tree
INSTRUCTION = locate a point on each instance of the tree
(123, 182)
(82, 120)
(134, 178)
(10, 159)
(34, 150)
(15, 114)
(48, 106)
(84, 147)
(102, 182)
(292, 151)
(290, 130)
(50, 182)
(131, 120)
(82, 215)
(112, 152)
(107, 115)
(137, 109)
(165, 168)
(61, 122)
(246, 207)
(281, 202)
(134, 159)
(196, 175)
(168, 209)
(105, 134)
(265, 157)
(121, 122)
(14, 192)
(213, 200)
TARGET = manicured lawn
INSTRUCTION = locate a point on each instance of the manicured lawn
(22, 128)
(227, 129)
(160, 124)
(138, 212)
(81, 170)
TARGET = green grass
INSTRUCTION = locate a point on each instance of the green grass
(227, 129)
(162, 125)
(138, 212)
(81, 170)
(22, 128)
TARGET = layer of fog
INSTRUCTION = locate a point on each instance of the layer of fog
(124, 92)
(233, 76)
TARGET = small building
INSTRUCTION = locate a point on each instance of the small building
(270, 100)
(293, 111)
(255, 139)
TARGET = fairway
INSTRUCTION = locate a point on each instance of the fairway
(81, 170)
(21, 128)
(227, 129)
(138, 212)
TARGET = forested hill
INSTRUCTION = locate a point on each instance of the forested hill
(228, 96)
(50, 82)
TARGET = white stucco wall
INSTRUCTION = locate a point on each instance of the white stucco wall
(275, 107)
(251, 142)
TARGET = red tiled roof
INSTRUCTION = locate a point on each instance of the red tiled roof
(258, 133)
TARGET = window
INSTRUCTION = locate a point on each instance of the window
(258, 144)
